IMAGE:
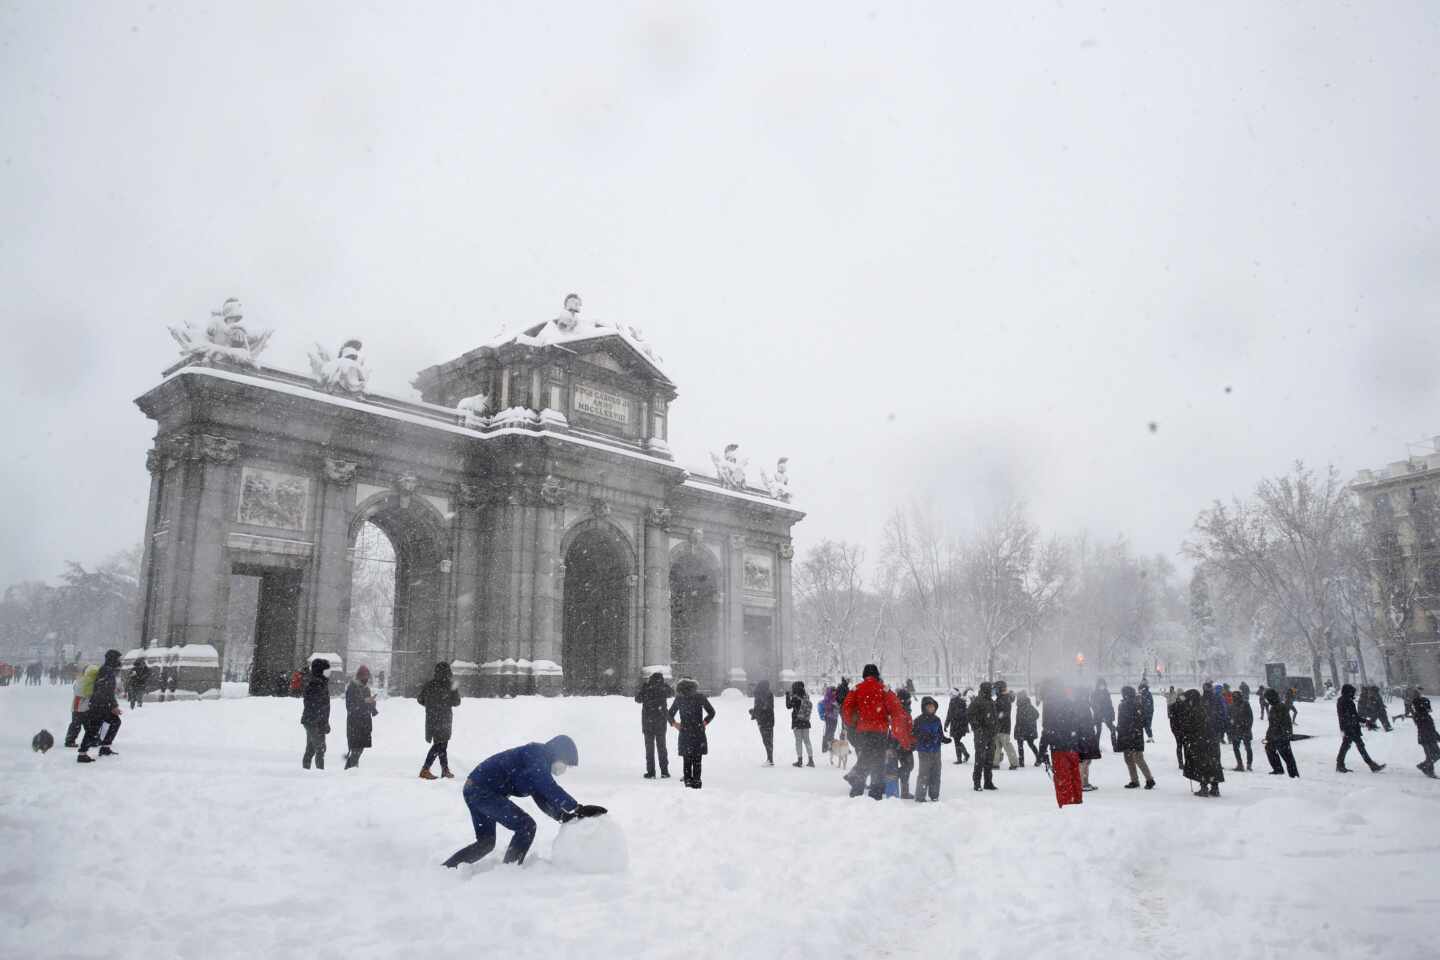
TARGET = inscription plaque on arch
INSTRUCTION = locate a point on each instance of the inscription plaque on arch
(594, 402)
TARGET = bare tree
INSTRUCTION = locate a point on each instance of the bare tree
(923, 562)
(830, 604)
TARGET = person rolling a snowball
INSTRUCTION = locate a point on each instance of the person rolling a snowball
(525, 771)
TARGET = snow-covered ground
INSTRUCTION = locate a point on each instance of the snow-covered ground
(205, 838)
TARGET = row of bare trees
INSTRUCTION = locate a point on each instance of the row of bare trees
(1291, 572)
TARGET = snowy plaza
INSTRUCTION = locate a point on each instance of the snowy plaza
(204, 837)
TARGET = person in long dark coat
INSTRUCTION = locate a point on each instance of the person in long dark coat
(1278, 733)
(1102, 707)
(763, 713)
(1199, 731)
(1026, 727)
(315, 713)
(1130, 738)
(956, 724)
(981, 716)
(1425, 733)
(139, 677)
(842, 690)
(440, 696)
(104, 708)
(1350, 731)
(694, 713)
(360, 709)
(654, 699)
(1087, 745)
(1147, 711)
(1242, 723)
(1174, 708)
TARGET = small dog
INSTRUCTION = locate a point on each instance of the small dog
(42, 742)
(840, 753)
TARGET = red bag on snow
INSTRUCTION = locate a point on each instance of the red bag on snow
(1065, 767)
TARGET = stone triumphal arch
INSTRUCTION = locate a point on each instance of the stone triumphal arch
(545, 540)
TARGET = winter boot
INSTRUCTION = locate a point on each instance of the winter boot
(107, 752)
(1428, 770)
(1215, 790)
(1238, 769)
(319, 761)
(1149, 784)
(649, 776)
(83, 757)
(811, 763)
(1374, 767)
(1341, 768)
(445, 772)
(1133, 784)
(349, 761)
(797, 763)
(664, 774)
(1204, 790)
(427, 775)
(305, 763)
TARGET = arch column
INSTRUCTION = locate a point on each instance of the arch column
(735, 603)
(657, 591)
(544, 621)
(330, 612)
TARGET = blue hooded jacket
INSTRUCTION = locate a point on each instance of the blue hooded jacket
(928, 730)
(525, 772)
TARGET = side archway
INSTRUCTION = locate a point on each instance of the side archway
(599, 581)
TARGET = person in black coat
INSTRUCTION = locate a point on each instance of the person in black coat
(694, 713)
(1063, 723)
(841, 692)
(1200, 733)
(1278, 733)
(1372, 708)
(1026, 727)
(981, 716)
(1242, 723)
(1087, 746)
(956, 725)
(440, 696)
(797, 701)
(359, 710)
(654, 699)
(763, 713)
(1147, 711)
(1425, 733)
(1350, 731)
(315, 713)
(1103, 708)
(104, 708)
(1130, 738)
(1004, 709)
(1174, 704)
(139, 677)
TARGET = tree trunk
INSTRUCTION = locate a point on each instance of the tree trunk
(1315, 670)
(1334, 668)
(1359, 653)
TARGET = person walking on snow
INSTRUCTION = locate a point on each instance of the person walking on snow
(1278, 733)
(1103, 708)
(981, 714)
(828, 713)
(695, 713)
(1350, 731)
(929, 734)
(104, 708)
(315, 713)
(1026, 730)
(440, 696)
(797, 701)
(654, 699)
(139, 676)
(874, 713)
(1130, 738)
(1004, 708)
(359, 710)
(1425, 733)
(525, 771)
(1242, 723)
(1174, 706)
(82, 688)
(1147, 711)
(763, 713)
(956, 724)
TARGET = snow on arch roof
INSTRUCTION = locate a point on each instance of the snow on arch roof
(553, 333)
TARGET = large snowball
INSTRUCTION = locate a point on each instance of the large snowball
(595, 845)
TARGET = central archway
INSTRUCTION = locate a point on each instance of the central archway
(597, 611)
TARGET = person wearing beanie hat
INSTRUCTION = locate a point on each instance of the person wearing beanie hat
(104, 708)
(525, 771)
(956, 723)
(874, 713)
(1242, 724)
(797, 701)
(763, 713)
(315, 715)
(981, 714)
(929, 734)
(654, 699)
(440, 696)
(359, 710)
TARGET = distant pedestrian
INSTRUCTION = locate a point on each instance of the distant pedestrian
(1425, 733)
(829, 714)
(1026, 727)
(139, 677)
(1087, 746)
(1263, 700)
(1174, 708)
(1290, 706)
(1103, 708)
(315, 715)
(1278, 734)
(842, 690)
(981, 715)
(928, 733)
(763, 713)
(1130, 738)
(1372, 708)
(956, 724)
(360, 711)
(1004, 710)
(797, 701)
(1200, 733)
(1242, 722)
(654, 699)
(690, 714)
(904, 756)
(1350, 731)
(297, 683)
(440, 696)
(1147, 711)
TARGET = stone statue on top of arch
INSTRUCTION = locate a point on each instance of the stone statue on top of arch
(225, 340)
(345, 373)
(730, 470)
(778, 486)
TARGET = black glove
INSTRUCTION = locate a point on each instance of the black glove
(588, 810)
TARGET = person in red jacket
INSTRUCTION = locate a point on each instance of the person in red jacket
(874, 713)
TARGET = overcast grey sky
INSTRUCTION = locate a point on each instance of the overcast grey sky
(945, 252)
